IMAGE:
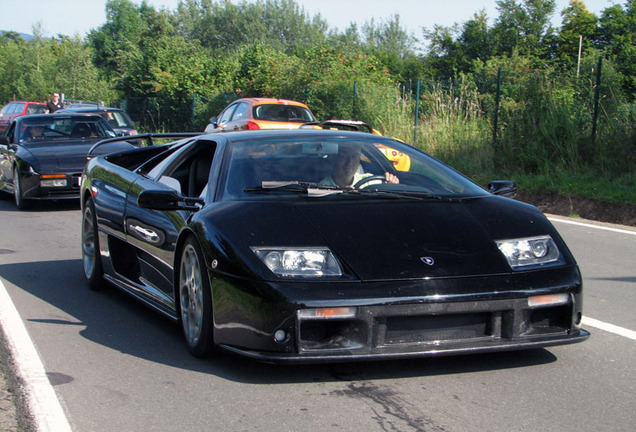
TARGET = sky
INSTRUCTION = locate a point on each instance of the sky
(71, 17)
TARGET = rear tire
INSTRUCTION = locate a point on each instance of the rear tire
(91, 258)
(195, 298)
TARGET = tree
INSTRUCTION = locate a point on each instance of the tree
(578, 23)
(123, 31)
(445, 52)
(228, 26)
(391, 44)
(522, 26)
(476, 38)
(75, 73)
(618, 39)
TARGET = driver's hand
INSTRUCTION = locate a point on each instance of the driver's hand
(390, 178)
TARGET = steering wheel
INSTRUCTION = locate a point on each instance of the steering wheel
(366, 180)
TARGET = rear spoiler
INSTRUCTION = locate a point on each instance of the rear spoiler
(143, 140)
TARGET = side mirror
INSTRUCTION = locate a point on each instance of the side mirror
(505, 188)
(168, 200)
(214, 121)
(4, 140)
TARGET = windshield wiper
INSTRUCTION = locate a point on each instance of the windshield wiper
(311, 189)
(400, 194)
(320, 190)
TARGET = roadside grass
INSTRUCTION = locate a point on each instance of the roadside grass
(619, 188)
(544, 146)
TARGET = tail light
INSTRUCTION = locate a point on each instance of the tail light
(252, 126)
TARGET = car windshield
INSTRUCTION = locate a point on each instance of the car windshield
(283, 113)
(117, 119)
(310, 167)
(55, 128)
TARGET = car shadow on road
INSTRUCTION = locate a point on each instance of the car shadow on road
(39, 206)
(117, 321)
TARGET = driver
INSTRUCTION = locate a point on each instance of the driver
(346, 172)
(32, 133)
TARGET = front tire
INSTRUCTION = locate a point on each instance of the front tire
(91, 258)
(17, 191)
(195, 299)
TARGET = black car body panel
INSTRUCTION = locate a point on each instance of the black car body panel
(417, 273)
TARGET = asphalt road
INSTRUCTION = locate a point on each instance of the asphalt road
(115, 365)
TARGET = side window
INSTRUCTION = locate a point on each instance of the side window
(190, 173)
(35, 109)
(19, 107)
(241, 110)
(227, 114)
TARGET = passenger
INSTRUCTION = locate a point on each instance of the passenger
(346, 172)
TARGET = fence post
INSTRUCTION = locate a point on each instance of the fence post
(417, 111)
(496, 119)
(194, 107)
(355, 96)
(597, 96)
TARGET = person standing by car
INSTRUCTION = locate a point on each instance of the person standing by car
(54, 104)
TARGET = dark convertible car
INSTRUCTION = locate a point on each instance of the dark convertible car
(257, 245)
(42, 156)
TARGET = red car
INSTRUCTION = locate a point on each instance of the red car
(19, 108)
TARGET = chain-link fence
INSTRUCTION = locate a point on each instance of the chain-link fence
(502, 118)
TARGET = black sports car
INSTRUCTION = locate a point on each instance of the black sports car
(116, 118)
(308, 245)
(42, 156)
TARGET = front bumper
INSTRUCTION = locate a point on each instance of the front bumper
(33, 190)
(430, 329)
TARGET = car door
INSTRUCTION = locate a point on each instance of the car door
(225, 117)
(240, 117)
(154, 233)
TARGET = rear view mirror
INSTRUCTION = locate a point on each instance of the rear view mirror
(505, 188)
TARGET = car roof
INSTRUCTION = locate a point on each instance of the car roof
(69, 114)
(86, 108)
(257, 100)
(22, 101)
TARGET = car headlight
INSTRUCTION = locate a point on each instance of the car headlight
(299, 262)
(529, 251)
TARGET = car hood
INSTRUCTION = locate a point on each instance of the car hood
(388, 240)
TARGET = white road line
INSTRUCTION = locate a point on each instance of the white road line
(630, 334)
(601, 227)
(44, 405)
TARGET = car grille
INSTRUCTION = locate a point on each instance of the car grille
(436, 328)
